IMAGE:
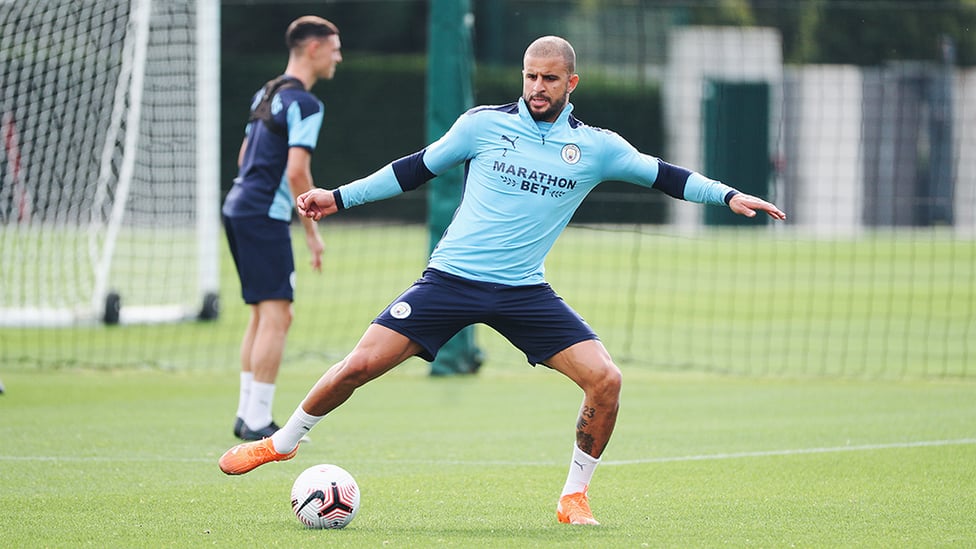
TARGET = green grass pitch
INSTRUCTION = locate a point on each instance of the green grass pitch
(833, 405)
(128, 458)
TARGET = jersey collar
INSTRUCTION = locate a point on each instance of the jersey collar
(562, 119)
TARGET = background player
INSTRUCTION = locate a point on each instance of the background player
(275, 165)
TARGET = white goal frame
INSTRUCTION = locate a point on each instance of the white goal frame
(108, 211)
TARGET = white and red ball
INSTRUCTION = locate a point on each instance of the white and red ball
(325, 496)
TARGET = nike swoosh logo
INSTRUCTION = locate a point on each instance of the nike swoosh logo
(316, 495)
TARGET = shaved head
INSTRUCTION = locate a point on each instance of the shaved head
(553, 46)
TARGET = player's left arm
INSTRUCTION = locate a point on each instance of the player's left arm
(629, 164)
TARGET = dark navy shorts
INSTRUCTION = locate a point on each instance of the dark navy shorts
(261, 247)
(438, 305)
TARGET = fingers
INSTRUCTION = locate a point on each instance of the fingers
(776, 213)
(300, 205)
(748, 206)
(306, 205)
(771, 210)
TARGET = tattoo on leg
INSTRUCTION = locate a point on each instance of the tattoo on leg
(584, 440)
(587, 412)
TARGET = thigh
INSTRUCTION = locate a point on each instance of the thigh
(537, 321)
(381, 349)
(585, 362)
(434, 309)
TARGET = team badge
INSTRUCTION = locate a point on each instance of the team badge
(570, 154)
(400, 309)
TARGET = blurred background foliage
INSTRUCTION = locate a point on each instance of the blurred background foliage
(375, 104)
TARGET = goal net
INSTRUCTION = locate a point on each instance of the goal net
(109, 169)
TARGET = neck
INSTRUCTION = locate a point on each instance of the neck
(301, 73)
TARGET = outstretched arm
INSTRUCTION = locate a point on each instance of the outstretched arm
(683, 183)
(405, 174)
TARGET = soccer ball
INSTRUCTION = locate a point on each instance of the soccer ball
(325, 496)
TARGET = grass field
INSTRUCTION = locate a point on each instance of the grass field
(127, 458)
(779, 391)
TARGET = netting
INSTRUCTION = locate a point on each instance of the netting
(99, 201)
(866, 143)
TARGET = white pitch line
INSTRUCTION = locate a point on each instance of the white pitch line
(799, 451)
(479, 463)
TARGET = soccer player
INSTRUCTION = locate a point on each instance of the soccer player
(529, 166)
(275, 166)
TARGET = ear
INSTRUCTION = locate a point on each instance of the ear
(312, 46)
(573, 82)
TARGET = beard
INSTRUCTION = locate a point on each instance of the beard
(549, 114)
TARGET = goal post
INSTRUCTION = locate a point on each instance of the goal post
(109, 195)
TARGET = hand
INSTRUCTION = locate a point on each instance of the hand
(316, 204)
(747, 205)
(316, 247)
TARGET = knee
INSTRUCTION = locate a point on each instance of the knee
(287, 316)
(614, 380)
(355, 369)
(274, 315)
(607, 381)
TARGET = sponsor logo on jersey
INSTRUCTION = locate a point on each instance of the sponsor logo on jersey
(534, 181)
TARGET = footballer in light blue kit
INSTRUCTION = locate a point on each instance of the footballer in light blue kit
(528, 166)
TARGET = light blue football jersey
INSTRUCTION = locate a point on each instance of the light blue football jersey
(523, 182)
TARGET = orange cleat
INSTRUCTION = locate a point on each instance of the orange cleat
(244, 457)
(575, 509)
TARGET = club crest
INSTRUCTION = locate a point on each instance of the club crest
(570, 153)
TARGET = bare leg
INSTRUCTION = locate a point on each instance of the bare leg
(379, 351)
(262, 349)
(271, 320)
(589, 365)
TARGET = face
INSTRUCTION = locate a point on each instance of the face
(546, 85)
(325, 54)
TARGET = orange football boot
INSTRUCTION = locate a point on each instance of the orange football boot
(244, 457)
(575, 509)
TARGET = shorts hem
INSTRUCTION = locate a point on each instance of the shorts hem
(561, 348)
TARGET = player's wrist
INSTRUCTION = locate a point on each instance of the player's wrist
(729, 196)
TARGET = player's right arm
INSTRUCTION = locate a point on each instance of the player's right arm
(405, 174)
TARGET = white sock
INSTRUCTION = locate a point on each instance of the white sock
(299, 424)
(257, 414)
(246, 379)
(580, 472)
